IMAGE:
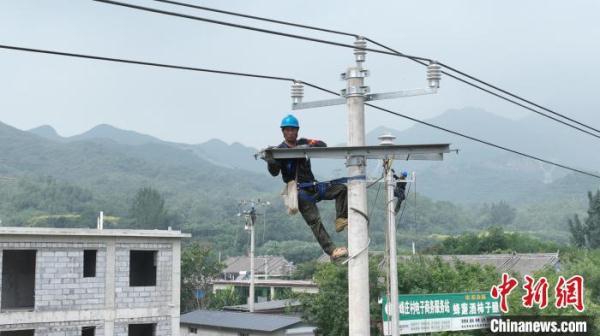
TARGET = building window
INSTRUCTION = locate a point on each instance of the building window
(142, 329)
(142, 268)
(17, 333)
(88, 331)
(18, 279)
(193, 330)
(89, 263)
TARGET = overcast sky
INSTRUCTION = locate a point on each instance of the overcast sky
(545, 50)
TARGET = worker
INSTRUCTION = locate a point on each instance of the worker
(309, 190)
(400, 189)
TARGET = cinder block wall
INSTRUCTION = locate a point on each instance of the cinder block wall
(163, 326)
(59, 281)
(58, 328)
(148, 296)
(60, 285)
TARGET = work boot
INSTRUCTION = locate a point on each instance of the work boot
(341, 224)
(338, 253)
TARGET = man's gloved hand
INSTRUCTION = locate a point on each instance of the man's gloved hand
(267, 156)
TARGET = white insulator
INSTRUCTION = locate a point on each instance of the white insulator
(360, 53)
(434, 75)
(386, 139)
(297, 92)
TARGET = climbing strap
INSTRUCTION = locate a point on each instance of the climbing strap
(321, 187)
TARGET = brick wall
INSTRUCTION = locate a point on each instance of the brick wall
(58, 328)
(147, 296)
(59, 281)
(163, 325)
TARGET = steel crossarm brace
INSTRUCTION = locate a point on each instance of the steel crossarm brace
(368, 97)
(432, 152)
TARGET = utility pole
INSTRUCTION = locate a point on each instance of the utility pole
(251, 296)
(250, 217)
(356, 154)
(358, 231)
(391, 221)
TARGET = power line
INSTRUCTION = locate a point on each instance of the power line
(481, 141)
(502, 97)
(268, 31)
(416, 59)
(462, 135)
(222, 72)
(129, 61)
(287, 23)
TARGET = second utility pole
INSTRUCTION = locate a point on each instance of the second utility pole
(358, 231)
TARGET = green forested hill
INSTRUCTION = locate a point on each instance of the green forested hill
(60, 178)
(66, 182)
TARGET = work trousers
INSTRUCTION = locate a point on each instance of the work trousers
(311, 215)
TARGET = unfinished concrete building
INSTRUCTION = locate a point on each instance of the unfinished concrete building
(89, 282)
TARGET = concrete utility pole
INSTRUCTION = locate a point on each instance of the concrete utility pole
(356, 153)
(250, 217)
(391, 218)
(391, 221)
(358, 231)
(251, 296)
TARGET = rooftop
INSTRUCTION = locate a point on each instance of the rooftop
(239, 321)
(84, 232)
(266, 306)
(273, 265)
(267, 283)
(523, 263)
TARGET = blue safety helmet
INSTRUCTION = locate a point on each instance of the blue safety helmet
(404, 173)
(290, 121)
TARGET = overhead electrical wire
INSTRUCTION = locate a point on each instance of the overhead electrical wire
(261, 30)
(153, 64)
(247, 16)
(503, 97)
(234, 73)
(420, 60)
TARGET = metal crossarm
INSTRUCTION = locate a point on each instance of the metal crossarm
(368, 97)
(434, 152)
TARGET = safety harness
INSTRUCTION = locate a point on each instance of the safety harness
(321, 187)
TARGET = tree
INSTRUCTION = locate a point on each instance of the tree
(493, 240)
(148, 210)
(497, 214)
(293, 250)
(198, 266)
(587, 234)
(328, 309)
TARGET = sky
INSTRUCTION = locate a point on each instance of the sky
(546, 51)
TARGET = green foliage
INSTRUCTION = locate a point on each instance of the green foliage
(417, 275)
(225, 297)
(496, 214)
(329, 308)
(148, 210)
(494, 240)
(587, 234)
(293, 250)
(424, 275)
(305, 270)
(198, 265)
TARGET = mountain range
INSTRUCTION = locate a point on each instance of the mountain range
(478, 173)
